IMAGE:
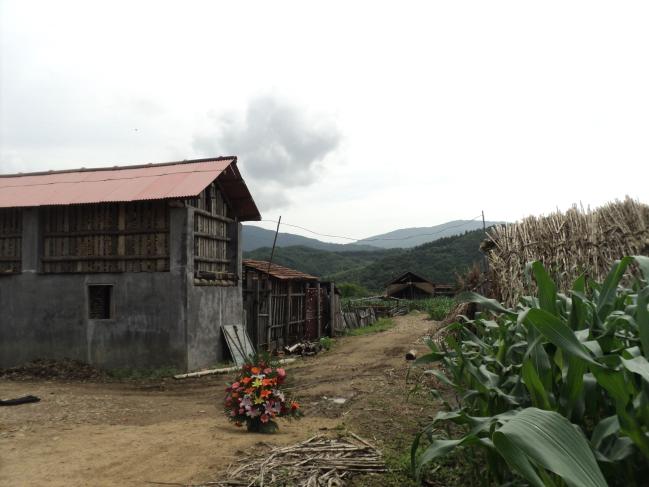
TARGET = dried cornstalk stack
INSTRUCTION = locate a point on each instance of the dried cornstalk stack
(316, 462)
(568, 244)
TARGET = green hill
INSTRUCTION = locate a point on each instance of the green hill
(319, 262)
(438, 261)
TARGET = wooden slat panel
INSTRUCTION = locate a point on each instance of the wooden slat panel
(11, 227)
(113, 237)
(211, 239)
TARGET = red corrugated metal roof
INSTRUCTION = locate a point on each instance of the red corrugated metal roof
(278, 271)
(183, 179)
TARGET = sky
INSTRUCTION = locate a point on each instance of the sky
(348, 118)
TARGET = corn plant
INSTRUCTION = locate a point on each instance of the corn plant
(555, 390)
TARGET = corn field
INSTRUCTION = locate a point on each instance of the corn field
(553, 391)
(568, 244)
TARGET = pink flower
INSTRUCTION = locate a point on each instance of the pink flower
(235, 385)
(281, 372)
(267, 370)
(264, 418)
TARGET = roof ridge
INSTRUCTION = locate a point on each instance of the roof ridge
(118, 168)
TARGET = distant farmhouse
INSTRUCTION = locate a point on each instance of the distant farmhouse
(412, 286)
(135, 266)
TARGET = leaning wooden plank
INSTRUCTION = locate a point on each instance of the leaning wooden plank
(224, 370)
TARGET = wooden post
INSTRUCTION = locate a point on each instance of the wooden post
(332, 309)
(287, 317)
(269, 321)
(319, 313)
(259, 333)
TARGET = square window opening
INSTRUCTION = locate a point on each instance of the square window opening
(100, 302)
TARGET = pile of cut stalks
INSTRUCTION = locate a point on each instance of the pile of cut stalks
(317, 462)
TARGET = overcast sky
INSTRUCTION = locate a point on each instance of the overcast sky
(350, 118)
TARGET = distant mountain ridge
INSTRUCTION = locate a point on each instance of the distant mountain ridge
(256, 237)
(415, 236)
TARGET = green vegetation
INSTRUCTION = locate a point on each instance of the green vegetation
(352, 290)
(382, 324)
(326, 343)
(555, 391)
(143, 374)
(319, 262)
(438, 261)
(437, 308)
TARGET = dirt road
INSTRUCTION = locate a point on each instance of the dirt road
(128, 434)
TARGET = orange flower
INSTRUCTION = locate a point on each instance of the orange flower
(255, 370)
(249, 390)
(267, 382)
(295, 405)
(265, 393)
(245, 380)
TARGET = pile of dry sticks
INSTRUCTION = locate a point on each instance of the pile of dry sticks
(316, 462)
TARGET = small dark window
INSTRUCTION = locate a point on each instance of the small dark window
(100, 299)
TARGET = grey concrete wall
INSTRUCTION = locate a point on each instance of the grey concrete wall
(46, 315)
(209, 308)
(160, 318)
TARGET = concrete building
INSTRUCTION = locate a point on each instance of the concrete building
(135, 266)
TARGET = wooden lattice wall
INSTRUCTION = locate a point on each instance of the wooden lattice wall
(212, 225)
(108, 237)
(11, 228)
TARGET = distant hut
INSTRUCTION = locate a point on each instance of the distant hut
(412, 286)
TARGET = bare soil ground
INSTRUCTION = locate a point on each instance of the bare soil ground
(128, 434)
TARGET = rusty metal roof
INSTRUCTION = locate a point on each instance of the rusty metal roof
(278, 271)
(184, 179)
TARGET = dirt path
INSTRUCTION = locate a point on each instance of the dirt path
(126, 434)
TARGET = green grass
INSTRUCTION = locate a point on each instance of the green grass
(143, 374)
(382, 324)
(326, 343)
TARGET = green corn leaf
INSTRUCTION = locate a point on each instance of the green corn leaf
(637, 365)
(643, 263)
(557, 332)
(642, 318)
(439, 448)
(614, 382)
(535, 387)
(577, 319)
(517, 460)
(608, 292)
(573, 387)
(605, 428)
(547, 288)
(491, 304)
(550, 441)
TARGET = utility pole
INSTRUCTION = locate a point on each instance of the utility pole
(272, 252)
(484, 256)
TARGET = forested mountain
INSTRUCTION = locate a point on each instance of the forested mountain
(438, 261)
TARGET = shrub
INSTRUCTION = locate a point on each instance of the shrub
(352, 290)
(556, 390)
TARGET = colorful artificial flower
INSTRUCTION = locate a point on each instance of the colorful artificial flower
(256, 399)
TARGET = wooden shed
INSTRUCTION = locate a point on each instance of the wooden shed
(133, 266)
(413, 286)
(284, 306)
